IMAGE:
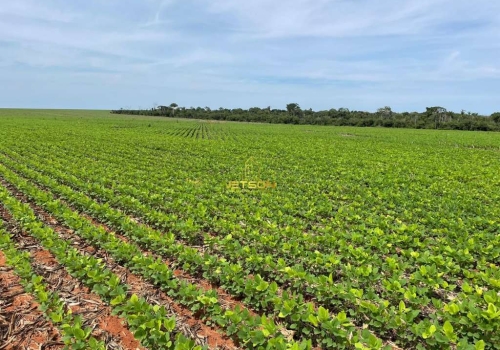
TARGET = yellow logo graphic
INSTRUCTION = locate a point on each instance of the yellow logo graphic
(251, 178)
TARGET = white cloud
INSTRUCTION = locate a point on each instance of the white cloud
(267, 51)
(343, 18)
(36, 11)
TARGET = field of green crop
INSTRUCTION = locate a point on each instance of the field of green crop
(370, 238)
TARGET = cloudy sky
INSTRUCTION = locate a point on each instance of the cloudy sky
(358, 54)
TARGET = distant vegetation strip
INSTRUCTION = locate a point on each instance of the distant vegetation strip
(432, 118)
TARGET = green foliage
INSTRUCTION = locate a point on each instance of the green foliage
(370, 235)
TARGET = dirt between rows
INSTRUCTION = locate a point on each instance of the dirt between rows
(95, 314)
(186, 322)
(22, 324)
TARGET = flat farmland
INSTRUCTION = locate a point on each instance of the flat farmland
(123, 232)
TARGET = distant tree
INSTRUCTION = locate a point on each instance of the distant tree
(293, 109)
(385, 112)
(162, 110)
(414, 117)
(332, 113)
(343, 112)
(496, 117)
(173, 107)
(438, 115)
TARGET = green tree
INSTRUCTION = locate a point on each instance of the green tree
(385, 112)
(343, 112)
(496, 117)
(293, 109)
(437, 114)
(173, 107)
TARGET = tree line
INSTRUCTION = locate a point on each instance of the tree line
(432, 118)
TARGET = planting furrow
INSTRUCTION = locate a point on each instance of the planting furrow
(152, 268)
(22, 323)
(186, 324)
(260, 287)
(149, 324)
(54, 308)
(226, 300)
(95, 314)
(147, 196)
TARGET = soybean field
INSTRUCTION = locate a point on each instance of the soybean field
(134, 232)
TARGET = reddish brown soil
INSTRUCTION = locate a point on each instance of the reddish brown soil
(22, 324)
(44, 257)
(115, 326)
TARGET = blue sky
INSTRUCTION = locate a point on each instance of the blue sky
(322, 54)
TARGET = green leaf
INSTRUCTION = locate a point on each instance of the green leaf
(134, 299)
(452, 308)
(448, 328)
(117, 300)
(448, 331)
(56, 317)
(323, 314)
(312, 319)
(140, 333)
(402, 306)
(79, 334)
(427, 334)
(263, 285)
(480, 345)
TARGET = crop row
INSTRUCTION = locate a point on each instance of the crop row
(376, 224)
(199, 131)
(456, 262)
